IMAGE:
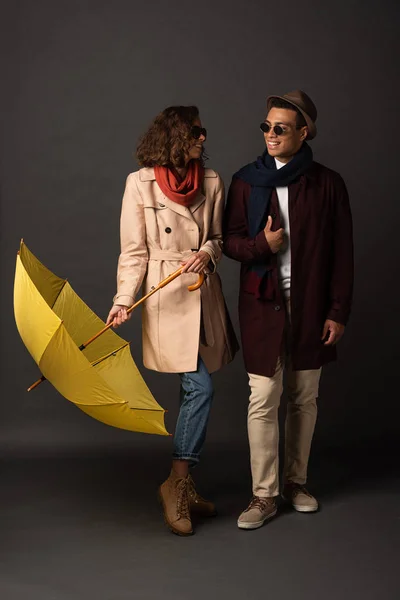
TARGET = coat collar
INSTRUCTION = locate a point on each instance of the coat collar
(147, 174)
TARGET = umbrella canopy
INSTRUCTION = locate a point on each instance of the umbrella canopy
(102, 379)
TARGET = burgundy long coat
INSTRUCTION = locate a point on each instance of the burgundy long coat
(321, 240)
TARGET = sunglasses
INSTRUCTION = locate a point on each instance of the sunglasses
(277, 129)
(197, 131)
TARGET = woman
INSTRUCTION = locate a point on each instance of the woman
(171, 216)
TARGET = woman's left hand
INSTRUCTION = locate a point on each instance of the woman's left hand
(197, 263)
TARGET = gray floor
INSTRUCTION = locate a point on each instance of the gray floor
(87, 525)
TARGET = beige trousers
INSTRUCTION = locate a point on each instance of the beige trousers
(263, 427)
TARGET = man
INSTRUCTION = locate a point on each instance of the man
(288, 222)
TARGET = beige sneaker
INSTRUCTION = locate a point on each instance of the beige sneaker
(258, 511)
(197, 504)
(173, 495)
(299, 497)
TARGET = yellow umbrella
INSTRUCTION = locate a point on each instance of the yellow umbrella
(91, 368)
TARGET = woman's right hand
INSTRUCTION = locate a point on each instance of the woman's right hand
(118, 315)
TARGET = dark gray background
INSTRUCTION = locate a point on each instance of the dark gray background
(81, 81)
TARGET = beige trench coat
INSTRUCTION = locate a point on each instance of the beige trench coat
(157, 234)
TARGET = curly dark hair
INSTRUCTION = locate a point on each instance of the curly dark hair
(278, 103)
(168, 138)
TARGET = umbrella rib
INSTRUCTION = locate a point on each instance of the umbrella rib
(61, 289)
(130, 408)
(114, 352)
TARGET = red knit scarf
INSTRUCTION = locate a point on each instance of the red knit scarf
(184, 191)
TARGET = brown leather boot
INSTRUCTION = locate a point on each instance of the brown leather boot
(197, 504)
(173, 495)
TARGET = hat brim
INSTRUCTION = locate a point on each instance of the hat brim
(312, 130)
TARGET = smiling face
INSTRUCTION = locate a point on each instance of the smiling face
(284, 147)
(196, 148)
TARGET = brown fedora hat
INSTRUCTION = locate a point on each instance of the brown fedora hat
(304, 104)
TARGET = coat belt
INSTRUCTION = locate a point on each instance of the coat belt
(155, 254)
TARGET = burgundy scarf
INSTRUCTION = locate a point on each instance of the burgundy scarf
(184, 191)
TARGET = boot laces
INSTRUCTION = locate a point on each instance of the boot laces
(192, 493)
(260, 503)
(182, 508)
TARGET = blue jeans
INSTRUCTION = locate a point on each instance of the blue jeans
(196, 395)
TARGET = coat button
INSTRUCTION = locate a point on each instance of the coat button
(168, 230)
(277, 307)
(162, 205)
(273, 216)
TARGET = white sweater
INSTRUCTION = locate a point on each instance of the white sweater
(284, 258)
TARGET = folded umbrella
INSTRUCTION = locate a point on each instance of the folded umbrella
(87, 362)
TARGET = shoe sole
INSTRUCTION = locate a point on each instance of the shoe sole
(301, 507)
(258, 524)
(305, 509)
(168, 524)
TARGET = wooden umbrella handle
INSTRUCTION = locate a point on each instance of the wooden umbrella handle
(198, 283)
(166, 281)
